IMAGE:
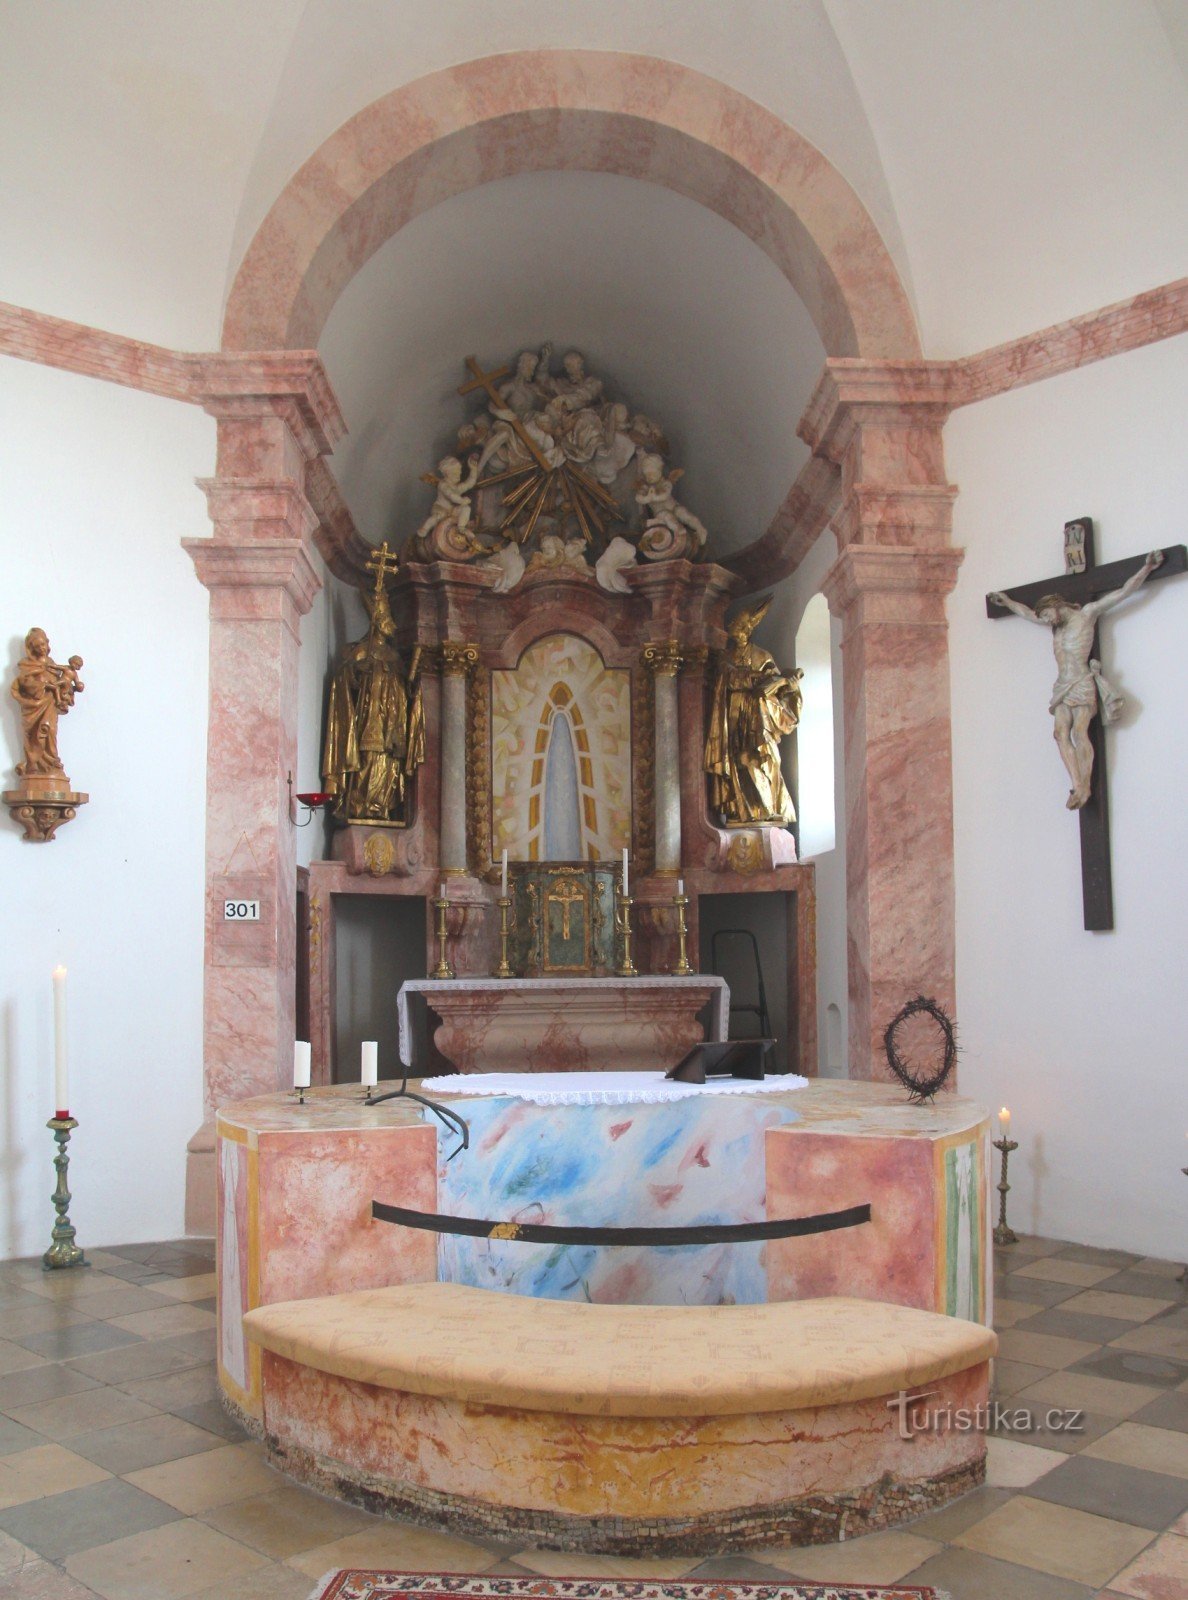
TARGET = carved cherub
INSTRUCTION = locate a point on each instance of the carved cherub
(445, 532)
(653, 492)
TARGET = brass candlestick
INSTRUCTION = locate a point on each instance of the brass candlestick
(63, 1252)
(443, 968)
(623, 904)
(299, 1094)
(1002, 1233)
(682, 969)
(503, 970)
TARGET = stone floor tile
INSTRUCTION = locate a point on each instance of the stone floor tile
(60, 1525)
(164, 1322)
(46, 1381)
(195, 1287)
(43, 1316)
(13, 1437)
(214, 1478)
(1042, 1349)
(945, 1524)
(71, 1414)
(1169, 1411)
(1155, 1338)
(273, 1582)
(13, 1556)
(1160, 1268)
(287, 1521)
(1150, 1285)
(168, 1391)
(874, 1558)
(1111, 1489)
(122, 1301)
(135, 1445)
(966, 1575)
(1080, 1389)
(61, 1344)
(181, 1558)
(399, 1545)
(569, 1564)
(45, 1469)
(134, 1272)
(1159, 1572)
(147, 1359)
(15, 1358)
(1011, 1464)
(1008, 1377)
(733, 1569)
(41, 1580)
(1126, 1307)
(1135, 1444)
(1061, 1540)
(1133, 1366)
(1050, 1427)
(211, 1416)
(13, 1296)
(1008, 1310)
(1028, 1244)
(1098, 1258)
(1059, 1269)
(69, 1287)
(1073, 1325)
(1042, 1291)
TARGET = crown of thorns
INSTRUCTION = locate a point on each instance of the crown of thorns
(920, 1086)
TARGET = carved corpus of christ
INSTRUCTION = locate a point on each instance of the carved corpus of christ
(1081, 687)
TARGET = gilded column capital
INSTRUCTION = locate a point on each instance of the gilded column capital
(457, 660)
(663, 657)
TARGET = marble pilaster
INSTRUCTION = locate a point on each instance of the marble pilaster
(458, 661)
(888, 586)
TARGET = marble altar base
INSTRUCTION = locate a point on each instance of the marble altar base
(567, 1024)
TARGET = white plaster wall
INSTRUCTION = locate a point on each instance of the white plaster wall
(1081, 1034)
(98, 490)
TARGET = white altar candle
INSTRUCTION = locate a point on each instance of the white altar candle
(503, 890)
(624, 871)
(369, 1074)
(680, 886)
(1004, 1123)
(441, 894)
(61, 1084)
(301, 1055)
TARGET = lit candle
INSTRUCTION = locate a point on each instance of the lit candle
(301, 1055)
(370, 1071)
(624, 871)
(1004, 1123)
(61, 1087)
(503, 890)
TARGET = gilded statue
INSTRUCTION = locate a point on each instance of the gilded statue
(754, 706)
(44, 690)
(375, 720)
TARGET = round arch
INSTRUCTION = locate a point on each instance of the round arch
(572, 110)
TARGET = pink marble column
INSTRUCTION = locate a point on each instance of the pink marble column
(262, 576)
(894, 568)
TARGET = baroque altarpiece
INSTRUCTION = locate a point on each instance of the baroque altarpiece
(555, 668)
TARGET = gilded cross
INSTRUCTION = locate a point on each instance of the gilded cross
(566, 894)
(383, 562)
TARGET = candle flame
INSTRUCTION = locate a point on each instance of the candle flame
(59, 972)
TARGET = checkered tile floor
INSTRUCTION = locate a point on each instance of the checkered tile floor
(121, 1476)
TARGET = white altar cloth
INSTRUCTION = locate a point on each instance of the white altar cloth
(601, 1088)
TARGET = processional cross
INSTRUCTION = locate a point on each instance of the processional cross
(566, 485)
(382, 562)
(1077, 598)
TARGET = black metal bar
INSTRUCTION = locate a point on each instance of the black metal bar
(547, 1233)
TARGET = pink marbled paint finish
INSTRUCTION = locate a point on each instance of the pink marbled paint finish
(316, 1232)
(569, 110)
(607, 1466)
(892, 1257)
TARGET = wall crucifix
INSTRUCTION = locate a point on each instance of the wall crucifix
(1071, 605)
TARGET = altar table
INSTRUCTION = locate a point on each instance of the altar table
(567, 1024)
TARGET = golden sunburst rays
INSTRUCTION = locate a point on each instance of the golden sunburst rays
(537, 486)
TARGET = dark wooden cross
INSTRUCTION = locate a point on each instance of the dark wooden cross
(1083, 580)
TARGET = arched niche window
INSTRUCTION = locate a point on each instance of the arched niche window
(816, 809)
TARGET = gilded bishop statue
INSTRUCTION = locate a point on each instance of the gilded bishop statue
(754, 706)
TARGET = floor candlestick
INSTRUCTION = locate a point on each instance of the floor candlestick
(63, 1252)
(1002, 1233)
